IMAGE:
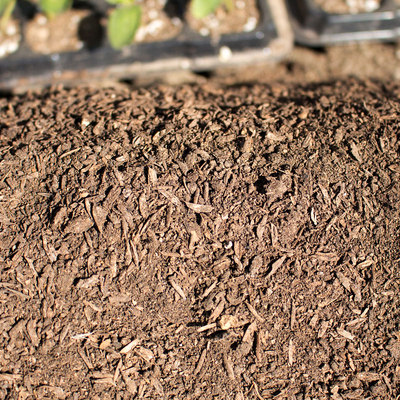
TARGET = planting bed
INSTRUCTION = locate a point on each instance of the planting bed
(201, 242)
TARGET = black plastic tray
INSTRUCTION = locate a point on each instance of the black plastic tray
(316, 28)
(271, 39)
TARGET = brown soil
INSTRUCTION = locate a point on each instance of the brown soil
(201, 242)
(10, 38)
(45, 36)
(156, 25)
(243, 17)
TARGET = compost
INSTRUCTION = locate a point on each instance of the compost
(201, 242)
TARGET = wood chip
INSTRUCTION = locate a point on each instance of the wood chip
(368, 376)
(172, 198)
(131, 385)
(10, 377)
(228, 366)
(177, 288)
(254, 312)
(130, 346)
(275, 266)
(151, 176)
(199, 208)
(85, 359)
(209, 289)
(346, 282)
(146, 354)
(248, 335)
(217, 311)
(355, 151)
(291, 352)
(78, 225)
(200, 364)
(207, 327)
(227, 322)
(345, 334)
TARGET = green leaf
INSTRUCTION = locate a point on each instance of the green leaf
(54, 7)
(3, 5)
(6, 9)
(201, 8)
(122, 25)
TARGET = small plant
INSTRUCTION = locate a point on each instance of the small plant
(54, 7)
(202, 8)
(123, 22)
(6, 9)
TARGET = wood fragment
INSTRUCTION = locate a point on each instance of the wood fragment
(258, 345)
(274, 235)
(248, 335)
(261, 227)
(255, 387)
(130, 384)
(130, 346)
(146, 354)
(105, 381)
(99, 215)
(172, 198)
(313, 216)
(276, 265)
(345, 334)
(217, 311)
(199, 208)
(200, 363)
(368, 376)
(254, 312)
(177, 288)
(151, 176)
(117, 371)
(228, 366)
(291, 352)
(209, 289)
(346, 282)
(228, 321)
(207, 327)
(323, 328)
(85, 359)
(293, 316)
(355, 151)
(10, 377)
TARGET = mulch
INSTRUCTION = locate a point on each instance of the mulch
(201, 242)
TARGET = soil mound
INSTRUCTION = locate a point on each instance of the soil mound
(201, 242)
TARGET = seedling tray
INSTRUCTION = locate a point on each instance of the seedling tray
(316, 28)
(271, 40)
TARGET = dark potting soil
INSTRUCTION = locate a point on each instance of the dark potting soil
(201, 242)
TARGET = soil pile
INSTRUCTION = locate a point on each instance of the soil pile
(201, 242)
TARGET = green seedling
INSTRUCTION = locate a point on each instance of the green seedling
(54, 7)
(202, 8)
(123, 23)
(6, 9)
